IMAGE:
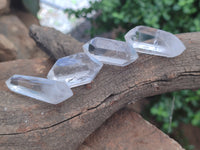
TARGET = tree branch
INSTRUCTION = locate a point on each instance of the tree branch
(30, 124)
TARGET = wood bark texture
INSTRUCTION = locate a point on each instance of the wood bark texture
(31, 124)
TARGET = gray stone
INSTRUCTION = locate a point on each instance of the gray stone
(17, 33)
(7, 49)
(4, 6)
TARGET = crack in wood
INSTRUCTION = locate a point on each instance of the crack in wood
(191, 73)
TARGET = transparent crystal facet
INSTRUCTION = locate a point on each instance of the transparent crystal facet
(154, 41)
(75, 70)
(111, 52)
(42, 89)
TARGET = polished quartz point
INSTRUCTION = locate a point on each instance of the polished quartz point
(75, 70)
(110, 52)
(42, 89)
(154, 41)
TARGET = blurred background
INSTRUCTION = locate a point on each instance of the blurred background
(176, 113)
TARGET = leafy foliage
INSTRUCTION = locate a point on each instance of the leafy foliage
(171, 109)
(171, 15)
(186, 109)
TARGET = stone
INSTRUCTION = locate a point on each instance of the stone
(154, 41)
(7, 49)
(110, 52)
(192, 133)
(27, 18)
(42, 89)
(16, 32)
(75, 70)
(127, 130)
(4, 6)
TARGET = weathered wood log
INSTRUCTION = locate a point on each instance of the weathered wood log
(54, 43)
(30, 124)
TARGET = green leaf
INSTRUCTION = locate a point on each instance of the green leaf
(196, 119)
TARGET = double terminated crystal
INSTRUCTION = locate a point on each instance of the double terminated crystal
(154, 41)
(111, 52)
(49, 91)
(75, 70)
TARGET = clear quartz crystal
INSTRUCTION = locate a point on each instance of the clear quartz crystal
(111, 52)
(75, 70)
(154, 41)
(42, 89)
